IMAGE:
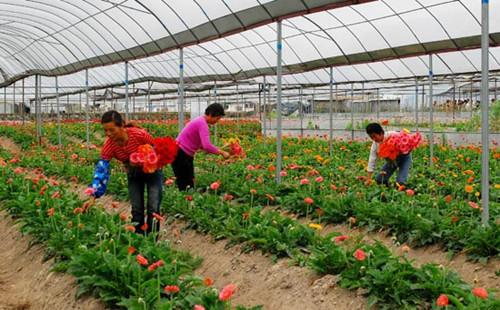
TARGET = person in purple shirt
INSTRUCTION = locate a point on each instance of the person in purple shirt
(194, 137)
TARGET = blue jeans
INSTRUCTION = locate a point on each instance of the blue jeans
(137, 181)
(402, 162)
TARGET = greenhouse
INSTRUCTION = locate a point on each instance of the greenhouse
(324, 154)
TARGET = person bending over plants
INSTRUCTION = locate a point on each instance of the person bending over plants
(133, 146)
(396, 148)
(194, 137)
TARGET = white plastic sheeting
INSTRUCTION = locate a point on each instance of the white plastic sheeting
(375, 40)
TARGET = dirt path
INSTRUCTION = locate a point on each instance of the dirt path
(9, 145)
(26, 282)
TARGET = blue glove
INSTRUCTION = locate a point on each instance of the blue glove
(101, 177)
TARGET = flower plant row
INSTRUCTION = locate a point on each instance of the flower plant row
(434, 210)
(108, 259)
(285, 237)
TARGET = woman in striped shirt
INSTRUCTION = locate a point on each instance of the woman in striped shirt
(123, 140)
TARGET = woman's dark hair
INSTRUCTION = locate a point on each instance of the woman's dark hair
(374, 128)
(215, 109)
(116, 118)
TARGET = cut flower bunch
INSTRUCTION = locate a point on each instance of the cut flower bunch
(399, 143)
(152, 159)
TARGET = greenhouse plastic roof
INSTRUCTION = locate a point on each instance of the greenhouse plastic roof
(227, 40)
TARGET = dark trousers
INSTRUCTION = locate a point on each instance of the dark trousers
(137, 182)
(183, 168)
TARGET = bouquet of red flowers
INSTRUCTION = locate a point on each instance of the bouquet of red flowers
(399, 143)
(151, 159)
(166, 148)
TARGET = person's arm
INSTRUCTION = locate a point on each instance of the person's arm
(101, 171)
(207, 145)
(107, 152)
(100, 178)
(372, 160)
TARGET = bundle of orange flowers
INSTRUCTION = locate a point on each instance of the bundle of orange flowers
(399, 143)
(151, 159)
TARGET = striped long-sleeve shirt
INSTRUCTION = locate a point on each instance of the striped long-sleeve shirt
(136, 138)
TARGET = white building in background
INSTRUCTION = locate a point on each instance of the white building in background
(240, 107)
(6, 107)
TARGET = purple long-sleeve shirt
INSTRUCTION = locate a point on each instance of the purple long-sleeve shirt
(196, 136)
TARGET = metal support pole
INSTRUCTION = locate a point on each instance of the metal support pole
(301, 111)
(365, 106)
(22, 109)
(104, 99)
(87, 120)
(431, 142)
(279, 48)
(330, 110)
(352, 112)
(270, 104)
(13, 96)
(113, 104)
(259, 107)
(312, 108)
(133, 101)
(40, 106)
(37, 110)
(215, 92)
(485, 154)
(199, 106)
(453, 101)
(58, 113)
(237, 100)
(416, 104)
(165, 107)
(311, 121)
(150, 84)
(471, 101)
(378, 104)
(215, 101)
(496, 90)
(126, 91)
(265, 108)
(336, 99)
(181, 89)
(5, 102)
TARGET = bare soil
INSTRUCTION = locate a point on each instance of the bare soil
(26, 282)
